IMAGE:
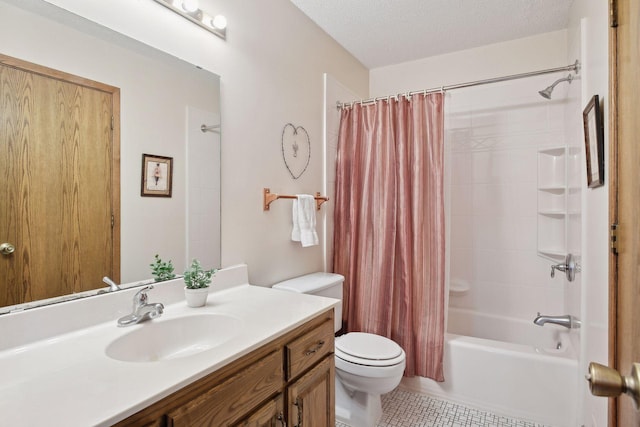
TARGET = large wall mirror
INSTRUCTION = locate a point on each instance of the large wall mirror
(164, 103)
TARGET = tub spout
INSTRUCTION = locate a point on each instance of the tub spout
(567, 321)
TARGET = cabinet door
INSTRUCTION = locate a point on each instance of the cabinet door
(311, 399)
(271, 414)
(229, 401)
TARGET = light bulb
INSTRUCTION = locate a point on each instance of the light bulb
(220, 22)
(190, 5)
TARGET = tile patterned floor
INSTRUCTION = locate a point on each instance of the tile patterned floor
(402, 408)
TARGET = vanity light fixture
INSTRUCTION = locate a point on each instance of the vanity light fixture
(190, 10)
(189, 6)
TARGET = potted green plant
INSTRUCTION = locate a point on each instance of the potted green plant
(197, 280)
(161, 270)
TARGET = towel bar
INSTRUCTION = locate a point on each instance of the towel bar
(269, 197)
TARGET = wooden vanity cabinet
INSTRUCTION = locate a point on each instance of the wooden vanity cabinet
(287, 382)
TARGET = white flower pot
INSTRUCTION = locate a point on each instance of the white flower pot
(196, 297)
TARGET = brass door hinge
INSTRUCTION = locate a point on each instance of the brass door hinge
(112, 120)
(613, 237)
(613, 13)
(113, 221)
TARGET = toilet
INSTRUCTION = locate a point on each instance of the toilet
(367, 365)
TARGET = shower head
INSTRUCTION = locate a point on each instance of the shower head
(546, 93)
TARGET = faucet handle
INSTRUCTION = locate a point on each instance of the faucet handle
(140, 298)
(570, 267)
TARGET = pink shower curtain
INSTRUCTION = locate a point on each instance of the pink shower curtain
(389, 225)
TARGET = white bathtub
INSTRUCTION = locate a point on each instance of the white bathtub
(508, 366)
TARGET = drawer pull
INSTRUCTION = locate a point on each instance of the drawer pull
(280, 418)
(314, 349)
(299, 405)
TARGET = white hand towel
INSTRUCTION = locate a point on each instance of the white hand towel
(295, 232)
(304, 220)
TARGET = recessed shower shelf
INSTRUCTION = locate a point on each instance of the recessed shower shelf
(553, 189)
(552, 202)
(552, 213)
(553, 151)
(556, 253)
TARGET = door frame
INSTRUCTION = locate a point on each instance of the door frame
(613, 219)
(613, 202)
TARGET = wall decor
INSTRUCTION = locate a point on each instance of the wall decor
(157, 172)
(594, 142)
(296, 149)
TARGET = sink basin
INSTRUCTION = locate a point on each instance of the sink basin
(174, 338)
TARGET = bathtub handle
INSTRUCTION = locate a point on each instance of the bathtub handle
(570, 267)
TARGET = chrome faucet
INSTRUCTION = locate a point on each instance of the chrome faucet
(567, 321)
(141, 309)
(112, 285)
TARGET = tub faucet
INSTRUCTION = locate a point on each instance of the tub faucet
(112, 285)
(141, 309)
(567, 321)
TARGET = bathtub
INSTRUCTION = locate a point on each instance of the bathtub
(508, 366)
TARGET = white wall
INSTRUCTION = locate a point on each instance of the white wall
(588, 37)
(203, 184)
(512, 57)
(271, 68)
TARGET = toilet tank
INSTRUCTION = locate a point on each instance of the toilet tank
(322, 284)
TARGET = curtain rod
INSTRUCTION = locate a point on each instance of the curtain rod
(573, 67)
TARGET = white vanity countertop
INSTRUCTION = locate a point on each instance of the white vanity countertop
(69, 380)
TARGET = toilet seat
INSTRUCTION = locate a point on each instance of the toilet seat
(368, 349)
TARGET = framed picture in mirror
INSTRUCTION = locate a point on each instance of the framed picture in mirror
(594, 142)
(157, 172)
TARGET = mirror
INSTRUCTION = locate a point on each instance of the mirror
(164, 102)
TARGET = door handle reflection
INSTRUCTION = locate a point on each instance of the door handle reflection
(7, 249)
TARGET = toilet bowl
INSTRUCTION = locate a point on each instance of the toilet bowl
(367, 365)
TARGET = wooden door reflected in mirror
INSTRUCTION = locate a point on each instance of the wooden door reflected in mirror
(59, 157)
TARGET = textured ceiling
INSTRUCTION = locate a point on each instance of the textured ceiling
(385, 32)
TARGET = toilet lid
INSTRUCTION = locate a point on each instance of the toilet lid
(367, 348)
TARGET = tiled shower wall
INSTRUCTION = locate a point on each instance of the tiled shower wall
(494, 133)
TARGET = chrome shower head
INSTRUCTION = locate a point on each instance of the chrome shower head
(546, 93)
